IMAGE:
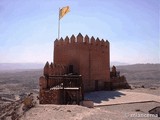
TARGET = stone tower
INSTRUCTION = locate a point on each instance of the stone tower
(86, 56)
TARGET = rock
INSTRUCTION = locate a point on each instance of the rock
(87, 103)
(155, 111)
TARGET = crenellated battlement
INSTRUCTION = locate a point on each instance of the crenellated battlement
(81, 40)
(54, 69)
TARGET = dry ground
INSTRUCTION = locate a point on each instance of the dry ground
(123, 111)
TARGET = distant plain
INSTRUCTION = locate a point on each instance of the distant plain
(19, 81)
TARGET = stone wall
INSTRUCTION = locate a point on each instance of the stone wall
(50, 96)
(60, 89)
(119, 83)
(47, 96)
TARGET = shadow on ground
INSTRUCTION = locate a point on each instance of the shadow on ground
(99, 96)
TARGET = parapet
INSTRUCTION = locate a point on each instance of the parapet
(81, 40)
(54, 69)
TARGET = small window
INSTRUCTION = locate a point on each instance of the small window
(70, 68)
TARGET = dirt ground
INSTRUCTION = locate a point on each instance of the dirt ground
(131, 111)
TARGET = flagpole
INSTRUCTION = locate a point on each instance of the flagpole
(59, 25)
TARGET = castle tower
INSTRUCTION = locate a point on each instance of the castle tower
(89, 57)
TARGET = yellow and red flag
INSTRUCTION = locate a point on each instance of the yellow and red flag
(63, 11)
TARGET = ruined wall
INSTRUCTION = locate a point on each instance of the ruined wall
(47, 96)
(89, 56)
(119, 83)
(51, 96)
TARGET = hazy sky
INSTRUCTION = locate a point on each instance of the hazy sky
(28, 28)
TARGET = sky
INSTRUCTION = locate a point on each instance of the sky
(28, 28)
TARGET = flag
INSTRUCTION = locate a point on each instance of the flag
(63, 11)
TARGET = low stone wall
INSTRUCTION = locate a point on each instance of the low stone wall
(51, 96)
(119, 83)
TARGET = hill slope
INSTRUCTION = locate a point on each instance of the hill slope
(141, 74)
